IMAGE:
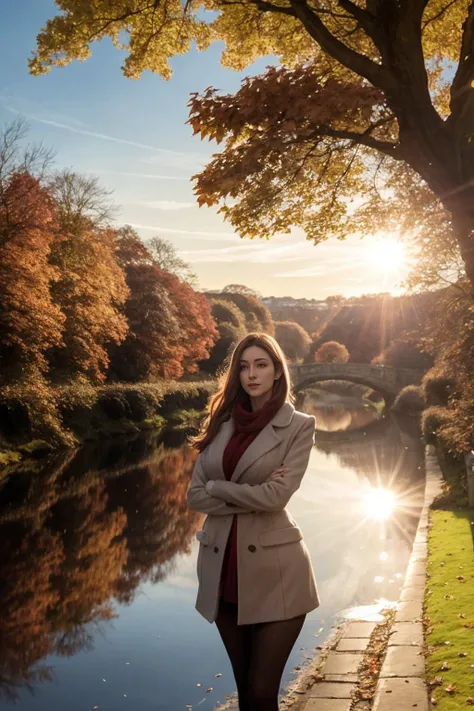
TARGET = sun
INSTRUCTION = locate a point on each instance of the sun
(388, 254)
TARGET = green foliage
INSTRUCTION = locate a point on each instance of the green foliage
(257, 316)
(36, 417)
(231, 326)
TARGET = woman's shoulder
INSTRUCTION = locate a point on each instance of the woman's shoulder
(301, 419)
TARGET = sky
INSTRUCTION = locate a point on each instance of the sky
(132, 134)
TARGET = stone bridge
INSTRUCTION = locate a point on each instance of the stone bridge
(386, 380)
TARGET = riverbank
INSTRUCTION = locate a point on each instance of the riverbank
(449, 601)
(71, 415)
(381, 667)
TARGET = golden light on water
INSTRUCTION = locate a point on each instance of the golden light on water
(379, 504)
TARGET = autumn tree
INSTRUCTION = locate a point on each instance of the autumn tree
(292, 337)
(363, 87)
(332, 352)
(166, 257)
(30, 322)
(91, 287)
(170, 325)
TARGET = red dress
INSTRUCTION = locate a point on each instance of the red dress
(248, 424)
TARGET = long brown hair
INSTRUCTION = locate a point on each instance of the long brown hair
(230, 390)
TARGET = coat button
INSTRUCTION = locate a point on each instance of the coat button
(216, 549)
(252, 548)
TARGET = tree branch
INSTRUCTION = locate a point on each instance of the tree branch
(465, 68)
(363, 18)
(336, 49)
(393, 150)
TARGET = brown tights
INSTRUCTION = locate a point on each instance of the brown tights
(258, 654)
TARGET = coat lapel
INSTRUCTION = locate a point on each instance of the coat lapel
(217, 447)
(266, 440)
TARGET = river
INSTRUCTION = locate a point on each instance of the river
(98, 555)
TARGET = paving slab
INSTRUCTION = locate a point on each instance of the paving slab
(401, 695)
(344, 678)
(413, 593)
(328, 690)
(327, 705)
(409, 612)
(406, 634)
(342, 663)
(403, 662)
(359, 629)
(352, 645)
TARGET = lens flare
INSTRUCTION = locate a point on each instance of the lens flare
(379, 504)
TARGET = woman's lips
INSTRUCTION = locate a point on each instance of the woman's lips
(254, 385)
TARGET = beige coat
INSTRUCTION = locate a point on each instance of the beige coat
(275, 576)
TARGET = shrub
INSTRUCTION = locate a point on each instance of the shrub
(293, 339)
(410, 401)
(437, 387)
(432, 420)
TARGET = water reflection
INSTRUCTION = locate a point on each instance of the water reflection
(346, 414)
(73, 542)
(97, 555)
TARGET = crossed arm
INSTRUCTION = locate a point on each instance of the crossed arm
(273, 495)
(200, 500)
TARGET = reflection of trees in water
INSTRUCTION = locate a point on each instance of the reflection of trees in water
(384, 454)
(338, 417)
(74, 538)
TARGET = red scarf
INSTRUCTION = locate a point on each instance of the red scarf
(247, 426)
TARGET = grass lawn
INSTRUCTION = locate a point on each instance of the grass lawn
(450, 608)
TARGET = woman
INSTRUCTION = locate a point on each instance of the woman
(255, 576)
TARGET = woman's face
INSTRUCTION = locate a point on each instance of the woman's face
(257, 375)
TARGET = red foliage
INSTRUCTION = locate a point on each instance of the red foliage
(29, 320)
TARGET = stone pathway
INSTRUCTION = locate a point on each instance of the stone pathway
(401, 685)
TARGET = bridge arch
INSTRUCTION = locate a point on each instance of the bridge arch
(386, 380)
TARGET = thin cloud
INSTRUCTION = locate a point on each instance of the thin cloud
(168, 205)
(182, 159)
(249, 251)
(150, 176)
(218, 236)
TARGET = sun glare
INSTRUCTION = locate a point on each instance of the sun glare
(388, 254)
(379, 504)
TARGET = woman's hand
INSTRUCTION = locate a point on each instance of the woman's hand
(277, 474)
